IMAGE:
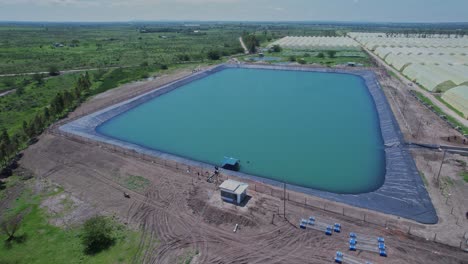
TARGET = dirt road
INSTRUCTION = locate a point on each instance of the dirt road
(62, 72)
(7, 92)
(246, 51)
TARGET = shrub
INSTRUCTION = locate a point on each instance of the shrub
(321, 55)
(54, 71)
(9, 226)
(98, 234)
(213, 55)
(331, 53)
(276, 48)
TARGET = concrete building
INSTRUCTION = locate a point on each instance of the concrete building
(233, 191)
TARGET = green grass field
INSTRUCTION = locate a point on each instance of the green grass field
(464, 175)
(43, 243)
(311, 57)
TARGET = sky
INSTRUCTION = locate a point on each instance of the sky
(236, 10)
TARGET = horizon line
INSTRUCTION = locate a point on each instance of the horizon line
(236, 21)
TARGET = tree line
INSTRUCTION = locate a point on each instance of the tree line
(60, 106)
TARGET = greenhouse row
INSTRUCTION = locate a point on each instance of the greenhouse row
(458, 98)
(439, 63)
(382, 52)
(400, 61)
(305, 43)
(401, 35)
(437, 78)
(382, 40)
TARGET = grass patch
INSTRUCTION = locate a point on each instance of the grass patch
(187, 257)
(44, 243)
(136, 183)
(311, 57)
(393, 74)
(449, 106)
(423, 177)
(464, 175)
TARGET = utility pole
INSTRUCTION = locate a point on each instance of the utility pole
(440, 168)
(284, 199)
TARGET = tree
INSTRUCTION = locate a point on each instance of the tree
(213, 55)
(26, 128)
(9, 83)
(20, 90)
(46, 114)
(331, 53)
(10, 226)
(75, 43)
(251, 42)
(38, 78)
(54, 71)
(5, 138)
(98, 234)
(276, 48)
(320, 55)
(292, 58)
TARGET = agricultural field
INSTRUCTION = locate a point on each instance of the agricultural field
(37, 48)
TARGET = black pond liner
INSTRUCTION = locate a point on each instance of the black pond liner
(402, 194)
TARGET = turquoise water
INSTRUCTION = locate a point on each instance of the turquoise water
(316, 130)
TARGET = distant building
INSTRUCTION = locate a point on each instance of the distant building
(233, 191)
(58, 45)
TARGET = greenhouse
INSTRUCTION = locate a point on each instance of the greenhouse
(314, 43)
(458, 98)
(430, 78)
(373, 43)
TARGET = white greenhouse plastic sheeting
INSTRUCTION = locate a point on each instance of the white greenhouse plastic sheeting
(304, 43)
(437, 78)
(458, 98)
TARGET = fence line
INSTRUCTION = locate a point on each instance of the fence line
(310, 203)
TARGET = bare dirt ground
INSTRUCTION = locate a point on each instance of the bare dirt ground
(180, 213)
